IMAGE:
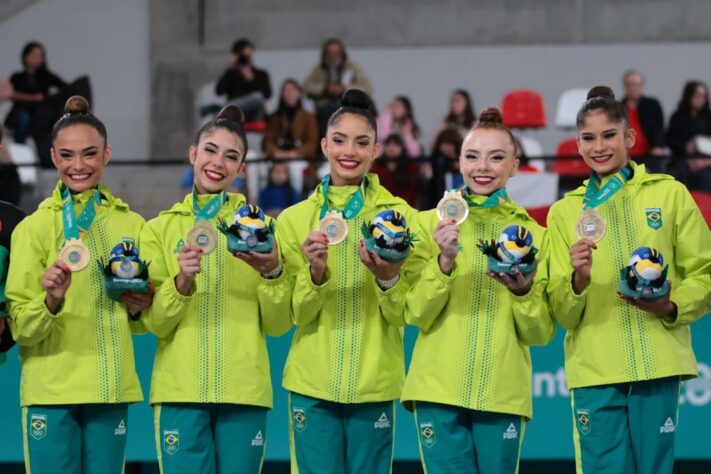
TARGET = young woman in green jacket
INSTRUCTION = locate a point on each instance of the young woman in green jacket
(469, 382)
(625, 356)
(345, 368)
(211, 385)
(78, 373)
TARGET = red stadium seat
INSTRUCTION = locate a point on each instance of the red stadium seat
(523, 109)
(703, 200)
(255, 126)
(568, 167)
(539, 214)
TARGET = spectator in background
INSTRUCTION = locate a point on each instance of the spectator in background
(38, 100)
(461, 116)
(245, 85)
(692, 118)
(442, 171)
(9, 177)
(279, 194)
(646, 119)
(397, 172)
(524, 165)
(398, 119)
(6, 90)
(292, 131)
(330, 78)
(310, 177)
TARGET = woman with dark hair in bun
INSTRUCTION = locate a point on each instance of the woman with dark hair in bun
(78, 373)
(626, 352)
(211, 386)
(469, 382)
(346, 363)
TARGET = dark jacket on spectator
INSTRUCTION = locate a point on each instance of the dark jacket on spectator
(233, 84)
(651, 119)
(683, 127)
(40, 82)
(302, 127)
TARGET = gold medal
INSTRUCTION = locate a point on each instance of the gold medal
(591, 225)
(453, 206)
(203, 236)
(75, 254)
(334, 226)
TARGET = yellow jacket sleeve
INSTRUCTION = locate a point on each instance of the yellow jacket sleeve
(429, 292)
(532, 316)
(567, 306)
(692, 258)
(30, 320)
(169, 305)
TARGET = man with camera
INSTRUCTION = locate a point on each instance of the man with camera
(245, 85)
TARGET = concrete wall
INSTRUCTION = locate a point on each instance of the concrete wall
(109, 41)
(428, 75)
(485, 46)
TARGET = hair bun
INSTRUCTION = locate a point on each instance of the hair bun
(231, 113)
(602, 92)
(357, 99)
(76, 104)
(491, 115)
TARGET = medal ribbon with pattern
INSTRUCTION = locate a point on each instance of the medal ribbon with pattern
(354, 205)
(73, 226)
(474, 200)
(212, 208)
(596, 195)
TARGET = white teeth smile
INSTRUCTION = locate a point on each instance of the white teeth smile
(348, 163)
(79, 177)
(483, 179)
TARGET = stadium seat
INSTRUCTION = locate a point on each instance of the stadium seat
(568, 167)
(539, 214)
(255, 126)
(703, 200)
(569, 104)
(24, 155)
(523, 109)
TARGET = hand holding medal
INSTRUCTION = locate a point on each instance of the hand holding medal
(315, 249)
(56, 281)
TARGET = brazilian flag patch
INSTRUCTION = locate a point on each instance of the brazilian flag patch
(654, 217)
(583, 418)
(171, 441)
(428, 434)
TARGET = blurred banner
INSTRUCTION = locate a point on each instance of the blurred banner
(549, 436)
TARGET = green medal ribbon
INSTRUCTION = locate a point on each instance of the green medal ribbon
(496, 198)
(212, 208)
(595, 195)
(354, 205)
(73, 226)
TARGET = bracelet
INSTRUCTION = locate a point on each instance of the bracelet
(276, 273)
(387, 284)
